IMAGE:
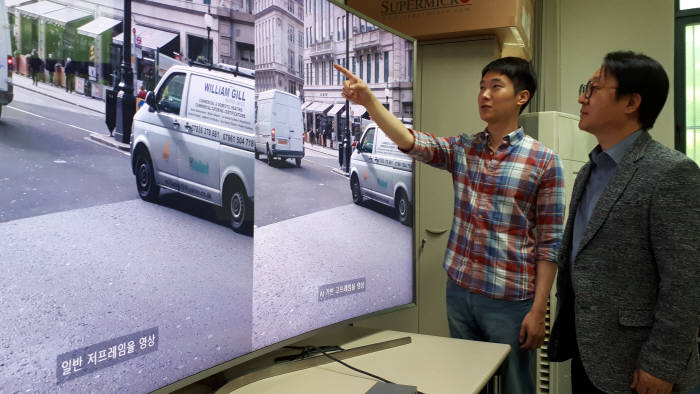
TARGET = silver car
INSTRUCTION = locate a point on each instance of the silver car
(380, 172)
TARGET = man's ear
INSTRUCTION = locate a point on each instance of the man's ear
(633, 101)
(523, 97)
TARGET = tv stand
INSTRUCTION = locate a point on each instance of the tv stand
(433, 364)
(284, 367)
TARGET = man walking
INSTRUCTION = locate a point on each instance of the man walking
(629, 270)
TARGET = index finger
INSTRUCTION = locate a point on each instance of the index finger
(345, 72)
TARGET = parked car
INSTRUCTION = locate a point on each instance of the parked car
(196, 136)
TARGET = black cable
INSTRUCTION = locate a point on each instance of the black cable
(353, 368)
(357, 369)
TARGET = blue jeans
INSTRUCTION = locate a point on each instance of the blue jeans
(481, 318)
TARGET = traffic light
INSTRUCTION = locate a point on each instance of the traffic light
(92, 53)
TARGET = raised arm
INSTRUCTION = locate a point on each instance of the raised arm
(357, 91)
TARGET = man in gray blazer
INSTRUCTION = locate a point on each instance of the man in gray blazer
(629, 269)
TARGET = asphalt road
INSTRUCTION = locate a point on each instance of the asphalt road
(84, 260)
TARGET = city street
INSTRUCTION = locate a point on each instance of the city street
(310, 236)
(85, 260)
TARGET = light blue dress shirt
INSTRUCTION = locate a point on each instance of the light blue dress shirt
(603, 167)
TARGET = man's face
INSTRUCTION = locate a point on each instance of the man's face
(497, 98)
(602, 111)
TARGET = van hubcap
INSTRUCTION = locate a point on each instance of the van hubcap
(402, 207)
(144, 175)
(237, 206)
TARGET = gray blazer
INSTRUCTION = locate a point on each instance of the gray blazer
(637, 273)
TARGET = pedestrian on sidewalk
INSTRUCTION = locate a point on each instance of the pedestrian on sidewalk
(51, 67)
(34, 67)
(69, 71)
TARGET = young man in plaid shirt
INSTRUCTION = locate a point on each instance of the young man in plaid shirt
(509, 213)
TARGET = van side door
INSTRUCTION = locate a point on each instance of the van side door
(365, 166)
(163, 128)
(199, 160)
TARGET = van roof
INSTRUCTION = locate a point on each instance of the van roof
(240, 78)
(272, 92)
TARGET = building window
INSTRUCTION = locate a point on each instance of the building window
(323, 71)
(344, 29)
(376, 67)
(290, 6)
(361, 67)
(337, 28)
(369, 69)
(301, 39)
(353, 64)
(290, 33)
(290, 67)
(409, 62)
(246, 52)
(386, 66)
(301, 66)
(330, 73)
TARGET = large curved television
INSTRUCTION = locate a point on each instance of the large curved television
(104, 291)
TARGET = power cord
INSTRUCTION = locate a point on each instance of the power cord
(355, 369)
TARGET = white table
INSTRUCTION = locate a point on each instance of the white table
(434, 364)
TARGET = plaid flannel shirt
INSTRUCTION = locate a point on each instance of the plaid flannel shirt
(508, 209)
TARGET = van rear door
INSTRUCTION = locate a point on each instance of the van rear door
(296, 126)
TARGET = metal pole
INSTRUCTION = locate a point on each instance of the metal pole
(127, 72)
(208, 40)
(346, 145)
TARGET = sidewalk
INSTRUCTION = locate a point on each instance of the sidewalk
(329, 152)
(78, 99)
(59, 93)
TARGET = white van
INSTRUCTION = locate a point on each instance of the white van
(196, 136)
(379, 171)
(6, 94)
(279, 128)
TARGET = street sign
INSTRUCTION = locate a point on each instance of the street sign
(92, 72)
(138, 40)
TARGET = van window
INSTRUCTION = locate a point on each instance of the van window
(169, 96)
(367, 142)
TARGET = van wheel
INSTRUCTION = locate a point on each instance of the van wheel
(145, 177)
(403, 208)
(269, 156)
(298, 161)
(356, 191)
(238, 208)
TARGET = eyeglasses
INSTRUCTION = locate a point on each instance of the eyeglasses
(587, 89)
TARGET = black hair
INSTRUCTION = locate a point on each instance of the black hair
(519, 71)
(638, 73)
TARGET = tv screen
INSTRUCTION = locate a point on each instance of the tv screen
(247, 205)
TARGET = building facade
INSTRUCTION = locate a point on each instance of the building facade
(380, 58)
(279, 47)
(173, 28)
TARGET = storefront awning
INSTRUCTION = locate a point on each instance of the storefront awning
(336, 108)
(65, 16)
(148, 37)
(319, 107)
(37, 10)
(16, 3)
(98, 26)
(357, 110)
(306, 104)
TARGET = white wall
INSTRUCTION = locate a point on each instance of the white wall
(589, 29)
